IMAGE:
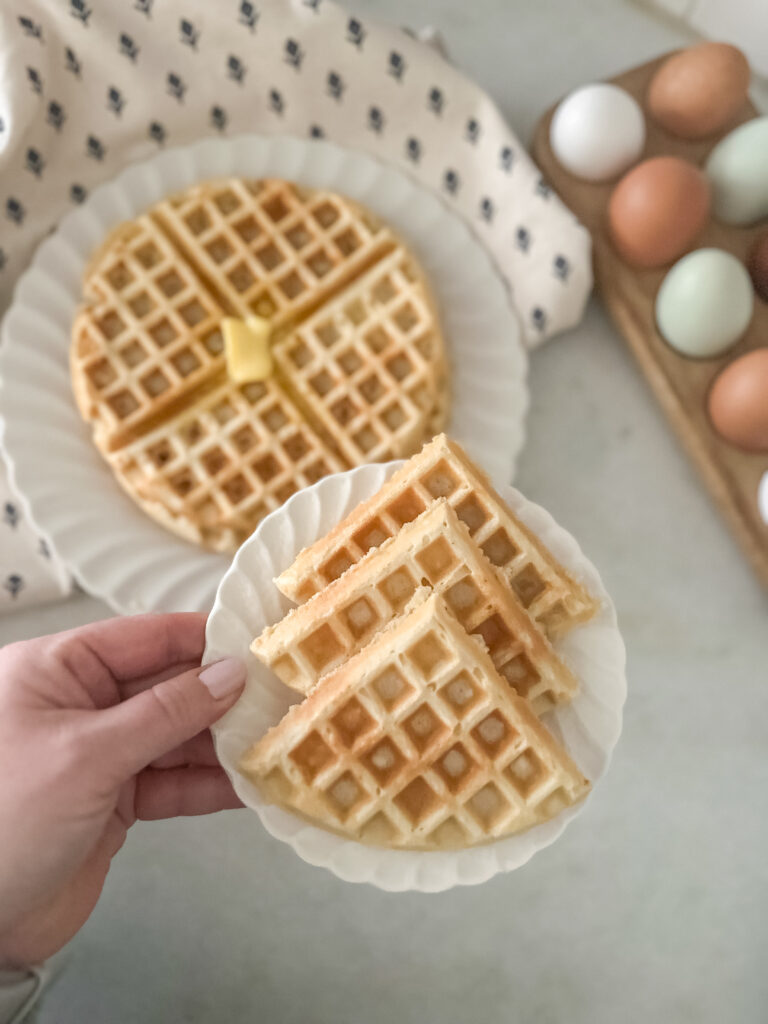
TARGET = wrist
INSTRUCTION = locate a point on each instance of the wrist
(14, 958)
(15, 954)
(11, 958)
(9, 961)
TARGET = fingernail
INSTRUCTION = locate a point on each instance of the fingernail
(223, 677)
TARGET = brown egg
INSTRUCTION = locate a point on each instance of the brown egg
(738, 402)
(757, 265)
(657, 210)
(699, 91)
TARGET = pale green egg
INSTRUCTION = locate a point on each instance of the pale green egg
(705, 303)
(737, 169)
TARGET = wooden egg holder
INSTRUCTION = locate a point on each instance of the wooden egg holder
(681, 384)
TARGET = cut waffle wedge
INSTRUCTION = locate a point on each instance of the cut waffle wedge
(416, 742)
(441, 470)
(215, 470)
(147, 337)
(435, 551)
(368, 367)
(271, 248)
(360, 363)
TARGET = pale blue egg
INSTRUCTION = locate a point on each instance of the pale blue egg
(737, 169)
(705, 303)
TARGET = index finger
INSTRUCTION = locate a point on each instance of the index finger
(138, 645)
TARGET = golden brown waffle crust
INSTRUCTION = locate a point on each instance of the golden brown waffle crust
(268, 763)
(436, 549)
(341, 255)
(551, 594)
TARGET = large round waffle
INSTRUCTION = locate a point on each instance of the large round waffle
(360, 370)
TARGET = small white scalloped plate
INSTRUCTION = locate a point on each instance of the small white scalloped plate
(103, 537)
(248, 600)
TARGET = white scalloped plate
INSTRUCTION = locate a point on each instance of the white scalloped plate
(248, 600)
(109, 544)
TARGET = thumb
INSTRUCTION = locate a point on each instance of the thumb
(145, 727)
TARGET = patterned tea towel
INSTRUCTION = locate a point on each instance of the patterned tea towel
(88, 86)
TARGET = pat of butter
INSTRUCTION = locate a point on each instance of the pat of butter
(246, 348)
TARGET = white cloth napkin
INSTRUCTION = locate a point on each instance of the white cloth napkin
(88, 86)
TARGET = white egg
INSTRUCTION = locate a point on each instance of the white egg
(705, 303)
(597, 132)
(762, 497)
(737, 169)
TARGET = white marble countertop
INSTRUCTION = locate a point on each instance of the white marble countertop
(652, 906)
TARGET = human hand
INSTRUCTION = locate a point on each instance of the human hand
(99, 727)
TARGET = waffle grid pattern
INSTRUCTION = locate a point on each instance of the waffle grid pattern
(148, 351)
(369, 368)
(417, 743)
(434, 551)
(150, 336)
(270, 248)
(442, 471)
(241, 453)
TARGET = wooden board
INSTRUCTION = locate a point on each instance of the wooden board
(680, 384)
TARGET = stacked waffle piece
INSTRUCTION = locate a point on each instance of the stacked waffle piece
(423, 649)
(360, 372)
